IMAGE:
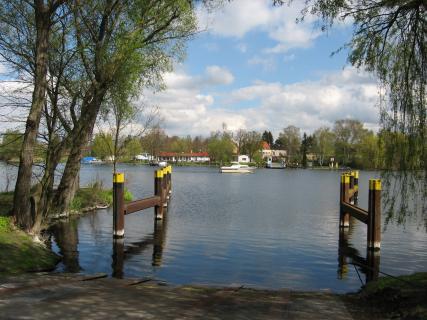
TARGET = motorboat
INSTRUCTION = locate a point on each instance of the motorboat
(237, 168)
(274, 165)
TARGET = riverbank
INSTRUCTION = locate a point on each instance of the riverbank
(70, 296)
(20, 253)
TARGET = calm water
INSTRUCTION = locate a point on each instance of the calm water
(271, 229)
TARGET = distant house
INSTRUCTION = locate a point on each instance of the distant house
(279, 153)
(143, 157)
(183, 157)
(266, 150)
(243, 158)
(268, 153)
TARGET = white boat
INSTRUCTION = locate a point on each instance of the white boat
(237, 168)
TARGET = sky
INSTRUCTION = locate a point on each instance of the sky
(253, 67)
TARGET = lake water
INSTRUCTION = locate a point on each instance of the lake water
(270, 229)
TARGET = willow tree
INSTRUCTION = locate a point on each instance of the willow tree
(389, 39)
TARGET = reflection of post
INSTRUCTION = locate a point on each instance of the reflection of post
(342, 258)
(118, 258)
(373, 265)
(67, 238)
(158, 241)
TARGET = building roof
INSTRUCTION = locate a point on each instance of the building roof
(183, 154)
(265, 145)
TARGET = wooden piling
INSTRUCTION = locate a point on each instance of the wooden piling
(170, 180)
(351, 187)
(158, 191)
(356, 187)
(164, 188)
(344, 197)
(374, 215)
(118, 205)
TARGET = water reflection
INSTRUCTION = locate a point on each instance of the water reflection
(369, 265)
(67, 238)
(156, 240)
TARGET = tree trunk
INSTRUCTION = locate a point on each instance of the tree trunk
(80, 137)
(54, 154)
(21, 200)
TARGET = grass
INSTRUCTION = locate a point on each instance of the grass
(95, 195)
(19, 253)
(403, 297)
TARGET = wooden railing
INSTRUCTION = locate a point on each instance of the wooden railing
(349, 191)
(162, 193)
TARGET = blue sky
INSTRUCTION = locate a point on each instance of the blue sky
(253, 67)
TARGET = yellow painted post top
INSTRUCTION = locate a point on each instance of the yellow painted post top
(118, 177)
(374, 184)
(158, 173)
(356, 174)
(345, 178)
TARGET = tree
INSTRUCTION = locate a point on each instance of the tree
(251, 143)
(220, 147)
(154, 140)
(389, 40)
(130, 45)
(324, 144)
(267, 136)
(348, 135)
(238, 138)
(24, 43)
(102, 145)
(132, 147)
(290, 140)
(306, 145)
(369, 152)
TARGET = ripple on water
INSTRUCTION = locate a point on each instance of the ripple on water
(271, 229)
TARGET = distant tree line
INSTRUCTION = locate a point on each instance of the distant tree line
(348, 142)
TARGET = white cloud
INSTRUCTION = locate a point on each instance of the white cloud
(267, 62)
(239, 17)
(192, 109)
(217, 76)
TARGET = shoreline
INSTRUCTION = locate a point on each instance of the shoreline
(94, 296)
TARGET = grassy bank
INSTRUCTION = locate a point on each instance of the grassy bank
(403, 297)
(20, 253)
(94, 196)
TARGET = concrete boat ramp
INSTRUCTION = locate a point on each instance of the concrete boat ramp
(67, 296)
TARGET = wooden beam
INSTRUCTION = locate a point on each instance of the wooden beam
(142, 204)
(356, 212)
